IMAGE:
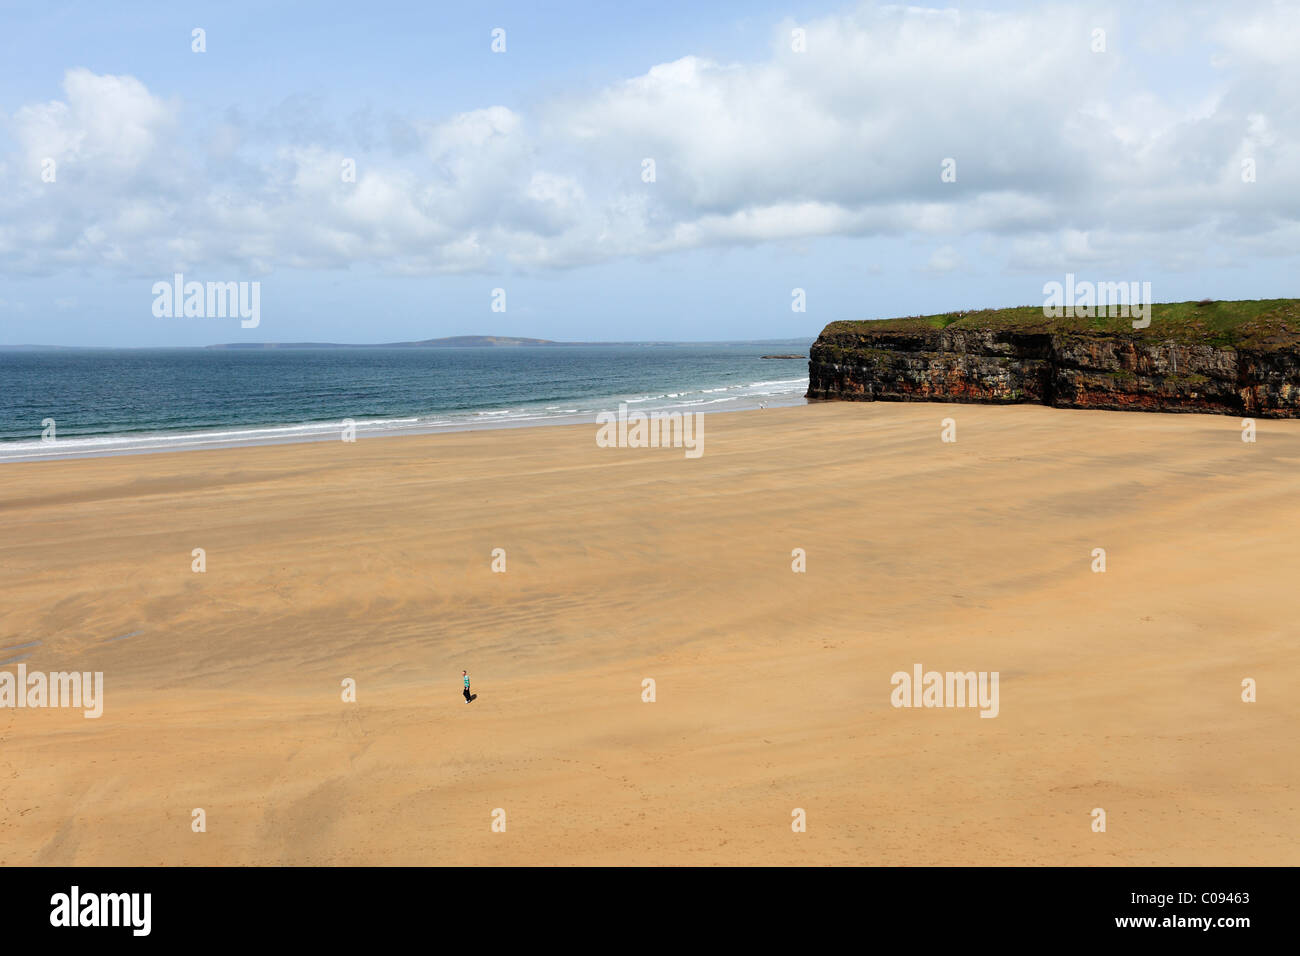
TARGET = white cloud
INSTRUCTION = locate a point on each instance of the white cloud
(1063, 156)
(112, 122)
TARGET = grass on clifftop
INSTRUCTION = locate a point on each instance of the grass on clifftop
(1257, 323)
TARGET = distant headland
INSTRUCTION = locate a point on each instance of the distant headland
(448, 342)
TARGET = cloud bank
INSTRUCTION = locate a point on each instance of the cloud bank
(1063, 156)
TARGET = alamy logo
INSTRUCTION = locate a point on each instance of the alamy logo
(56, 689)
(212, 300)
(655, 430)
(103, 909)
(1086, 299)
(949, 689)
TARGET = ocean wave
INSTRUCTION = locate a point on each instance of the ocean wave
(738, 396)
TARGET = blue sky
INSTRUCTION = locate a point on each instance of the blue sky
(776, 168)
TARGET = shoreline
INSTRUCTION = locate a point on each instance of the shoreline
(313, 432)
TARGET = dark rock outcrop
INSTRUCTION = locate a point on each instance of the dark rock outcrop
(1070, 368)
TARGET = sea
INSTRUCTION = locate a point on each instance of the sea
(93, 402)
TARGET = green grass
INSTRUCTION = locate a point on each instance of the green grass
(1253, 323)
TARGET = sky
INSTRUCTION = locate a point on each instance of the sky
(632, 171)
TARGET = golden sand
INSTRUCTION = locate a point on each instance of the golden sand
(373, 561)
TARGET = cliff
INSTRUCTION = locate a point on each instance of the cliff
(1232, 358)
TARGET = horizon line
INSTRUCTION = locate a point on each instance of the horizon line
(531, 343)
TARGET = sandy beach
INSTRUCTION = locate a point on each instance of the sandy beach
(373, 561)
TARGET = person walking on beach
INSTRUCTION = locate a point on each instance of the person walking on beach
(465, 674)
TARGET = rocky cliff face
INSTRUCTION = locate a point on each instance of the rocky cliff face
(1069, 369)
